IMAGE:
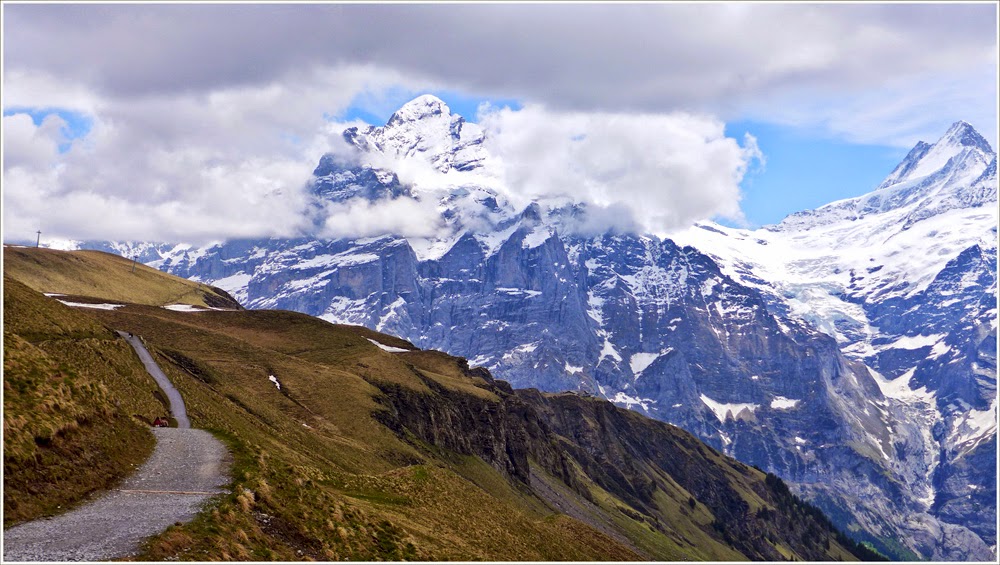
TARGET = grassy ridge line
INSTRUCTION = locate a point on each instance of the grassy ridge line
(107, 277)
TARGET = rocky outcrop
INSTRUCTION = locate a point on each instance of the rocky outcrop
(582, 440)
(489, 428)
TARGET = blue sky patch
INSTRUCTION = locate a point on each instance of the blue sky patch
(804, 171)
(77, 125)
(376, 108)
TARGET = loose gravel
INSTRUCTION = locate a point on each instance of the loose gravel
(177, 409)
(188, 466)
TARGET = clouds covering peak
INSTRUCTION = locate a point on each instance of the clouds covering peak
(207, 119)
(666, 170)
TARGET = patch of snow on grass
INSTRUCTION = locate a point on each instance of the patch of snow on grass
(274, 380)
(95, 306)
(184, 308)
(388, 348)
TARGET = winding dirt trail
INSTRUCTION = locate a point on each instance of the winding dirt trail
(187, 467)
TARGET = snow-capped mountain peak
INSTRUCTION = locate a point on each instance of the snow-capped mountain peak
(962, 134)
(961, 144)
(930, 181)
(420, 108)
(424, 128)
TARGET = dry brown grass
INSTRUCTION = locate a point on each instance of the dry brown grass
(104, 276)
(71, 388)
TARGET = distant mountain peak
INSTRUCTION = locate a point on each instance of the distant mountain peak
(926, 159)
(962, 134)
(421, 107)
(427, 128)
(532, 214)
(957, 171)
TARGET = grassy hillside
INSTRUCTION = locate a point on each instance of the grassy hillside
(71, 388)
(364, 454)
(106, 277)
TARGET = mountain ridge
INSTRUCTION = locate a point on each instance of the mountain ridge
(922, 158)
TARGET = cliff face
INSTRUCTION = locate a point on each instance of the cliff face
(656, 474)
(490, 428)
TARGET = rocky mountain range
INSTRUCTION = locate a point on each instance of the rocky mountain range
(850, 349)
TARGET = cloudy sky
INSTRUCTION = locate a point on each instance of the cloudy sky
(198, 122)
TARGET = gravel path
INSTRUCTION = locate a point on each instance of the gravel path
(187, 467)
(177, 409)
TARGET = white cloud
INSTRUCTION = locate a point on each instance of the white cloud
(666, 171)
(29, 146)
(38, 88)
(635, 172)
(222, 165)
(401, 216)
(899, 113)
(200, 166)
(200, 129)
(726, 59)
